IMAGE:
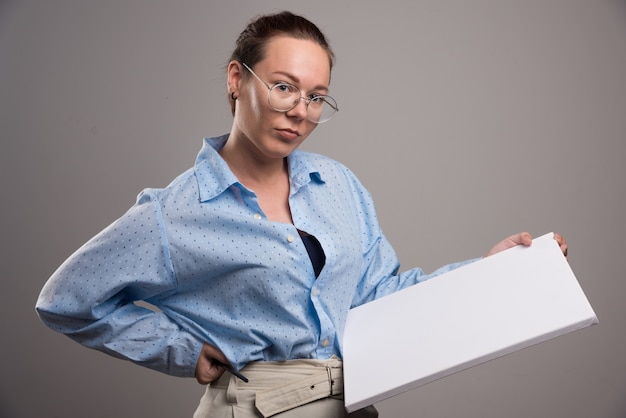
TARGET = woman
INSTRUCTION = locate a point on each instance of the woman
(253, 257)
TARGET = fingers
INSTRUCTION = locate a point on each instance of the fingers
(523, 238)
(208, 372)
(207, 368)
(562, 243)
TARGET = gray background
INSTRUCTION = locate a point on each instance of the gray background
(468, 121)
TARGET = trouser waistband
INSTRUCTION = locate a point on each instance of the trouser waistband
(280, 386)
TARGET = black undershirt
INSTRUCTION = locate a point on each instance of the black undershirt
(315, 250)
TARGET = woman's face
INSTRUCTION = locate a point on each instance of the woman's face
(267, 133)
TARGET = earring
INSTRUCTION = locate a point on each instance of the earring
(232, 96)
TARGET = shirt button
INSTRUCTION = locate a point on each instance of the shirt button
(257, 216)
(290, 238)
(325, 343)
(315, 291)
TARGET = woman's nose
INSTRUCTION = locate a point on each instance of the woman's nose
(300, 109)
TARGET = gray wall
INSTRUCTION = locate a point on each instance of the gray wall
(468, 121)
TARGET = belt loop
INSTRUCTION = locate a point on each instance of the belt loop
(231, 391)
(331, 382)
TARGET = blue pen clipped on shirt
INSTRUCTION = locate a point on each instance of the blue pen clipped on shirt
(231, 370)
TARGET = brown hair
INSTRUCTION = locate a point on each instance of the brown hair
(250, 46)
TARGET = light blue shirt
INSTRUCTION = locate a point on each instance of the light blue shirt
(204, 253)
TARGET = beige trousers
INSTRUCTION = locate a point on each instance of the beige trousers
(291, 389)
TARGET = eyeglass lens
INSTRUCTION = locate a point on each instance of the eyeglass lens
(284, 97)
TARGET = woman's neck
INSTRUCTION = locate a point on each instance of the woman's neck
(252, 169)
(268, 178)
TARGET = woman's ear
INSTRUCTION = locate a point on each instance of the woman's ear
(235, 75)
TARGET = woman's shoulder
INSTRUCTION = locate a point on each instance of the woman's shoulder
(182, 184)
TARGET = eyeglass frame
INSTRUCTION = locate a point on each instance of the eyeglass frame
(307, 100)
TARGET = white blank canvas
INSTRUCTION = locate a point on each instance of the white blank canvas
(481, 311)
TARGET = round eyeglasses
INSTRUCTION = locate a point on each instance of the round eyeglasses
(282, 97)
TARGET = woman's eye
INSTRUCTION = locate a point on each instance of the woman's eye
(316, 98)
(284, 88)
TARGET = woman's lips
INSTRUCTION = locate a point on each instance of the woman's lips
(288, 133)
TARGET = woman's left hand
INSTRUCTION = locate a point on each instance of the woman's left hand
(524, 238)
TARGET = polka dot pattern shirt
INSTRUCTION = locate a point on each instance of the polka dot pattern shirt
(202, 251)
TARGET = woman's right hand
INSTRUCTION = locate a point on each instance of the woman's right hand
(208, 369)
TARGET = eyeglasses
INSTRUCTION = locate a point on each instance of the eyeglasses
(282, 97)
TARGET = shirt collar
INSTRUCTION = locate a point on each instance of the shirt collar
(214, 176)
